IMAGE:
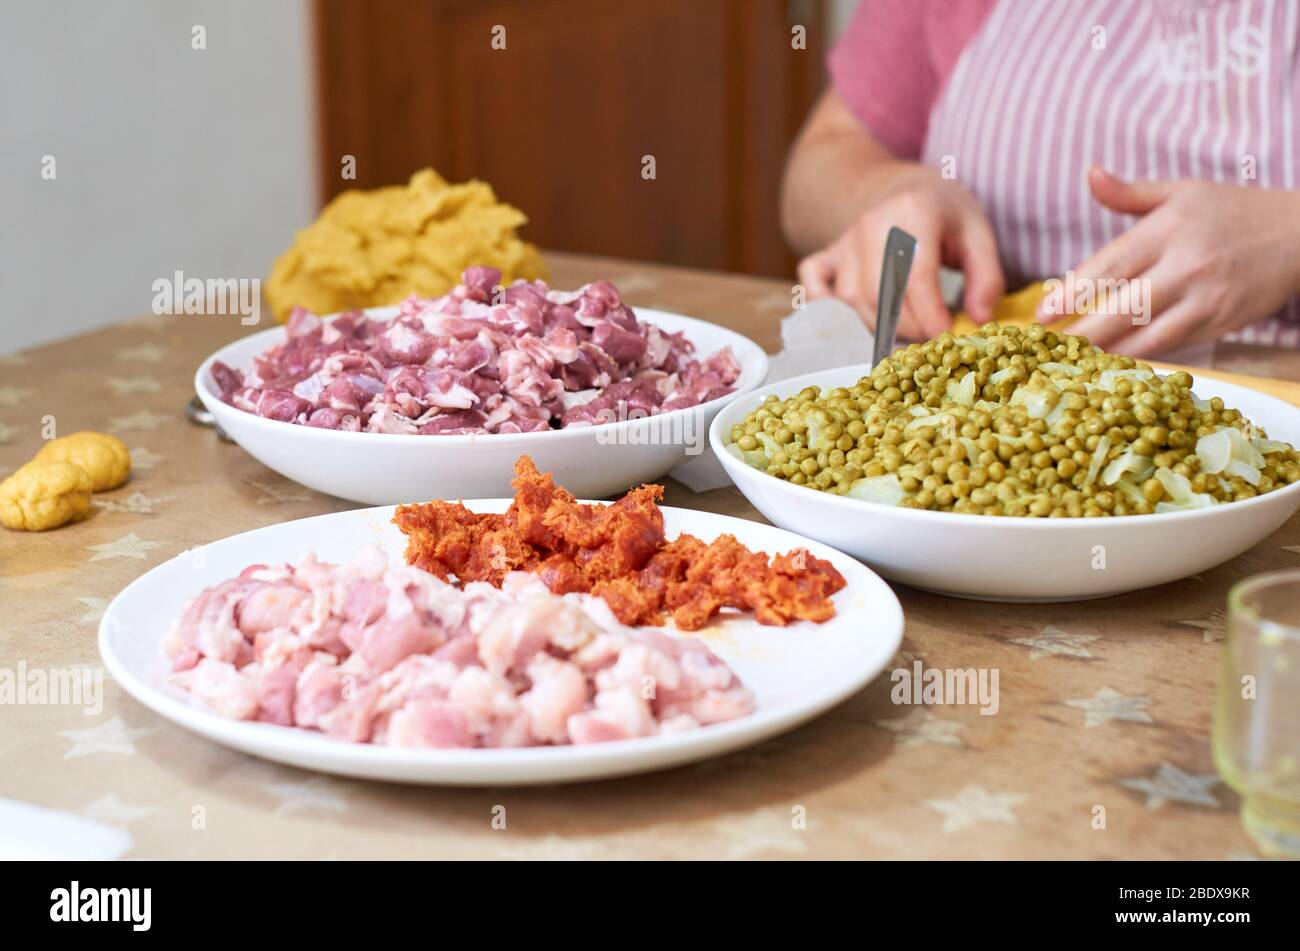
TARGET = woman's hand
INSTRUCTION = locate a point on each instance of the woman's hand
(949, 228)
(1213, 258)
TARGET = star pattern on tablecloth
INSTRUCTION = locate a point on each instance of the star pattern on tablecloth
(318, 792)
(7, 433)
(96, 608)
(1171, 784)
(275, 493)
(130, 545)
(13, 395)
(129, 386)
(137, 503)
(766, 829)
(1213, 628)
(144, 419)
(145, 459)
(142, 353)
(920, 727)
(108, 808)
(1107, 704)
(553, 848)
(112, 737)
(1054, 642)
(975, 804)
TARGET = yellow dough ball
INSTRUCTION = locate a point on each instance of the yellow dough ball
(105, 458)
(44, 494)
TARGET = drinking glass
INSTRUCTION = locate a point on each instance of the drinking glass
(1257, 716)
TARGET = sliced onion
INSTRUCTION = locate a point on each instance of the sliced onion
(963, 391)
(754, 458)
(1036, 403)
(1098, 457)
(1244, 470)
(1127, 461)
(1108, 379)
(921, 421)
(813, 440)
(882, 489)
(1130, 489)
(1242, 449)
(1052, 367)
(1180, 491)
(1178, 486)
(1214, 451)
(1055, 415)
(1269, 446)
(1221, 448)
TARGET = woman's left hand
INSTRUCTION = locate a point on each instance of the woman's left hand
(1205, 259)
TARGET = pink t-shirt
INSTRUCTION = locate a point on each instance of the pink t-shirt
(1017, 98)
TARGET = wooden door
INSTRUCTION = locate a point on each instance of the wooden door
(565, 119)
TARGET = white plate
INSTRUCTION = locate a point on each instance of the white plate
(382, 468)
(795, 672)
(1018, 559)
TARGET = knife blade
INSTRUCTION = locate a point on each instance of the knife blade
(897, 265)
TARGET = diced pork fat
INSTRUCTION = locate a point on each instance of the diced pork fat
(382, 652)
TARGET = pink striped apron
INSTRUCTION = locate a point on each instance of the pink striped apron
(1156, 89)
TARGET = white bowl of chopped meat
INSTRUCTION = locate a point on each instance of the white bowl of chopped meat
(436, 398)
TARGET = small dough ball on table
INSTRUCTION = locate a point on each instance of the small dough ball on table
(105, 458)
(44, 494)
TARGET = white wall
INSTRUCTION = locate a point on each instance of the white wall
(167, 158)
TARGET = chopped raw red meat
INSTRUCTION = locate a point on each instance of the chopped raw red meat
(479, 360)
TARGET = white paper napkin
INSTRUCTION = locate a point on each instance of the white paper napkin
(30, 832)
(826, 333)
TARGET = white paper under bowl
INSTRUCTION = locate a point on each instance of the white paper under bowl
(1017, 559)
(384, 469)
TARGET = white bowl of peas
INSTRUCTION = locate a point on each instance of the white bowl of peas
(1017, 465)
